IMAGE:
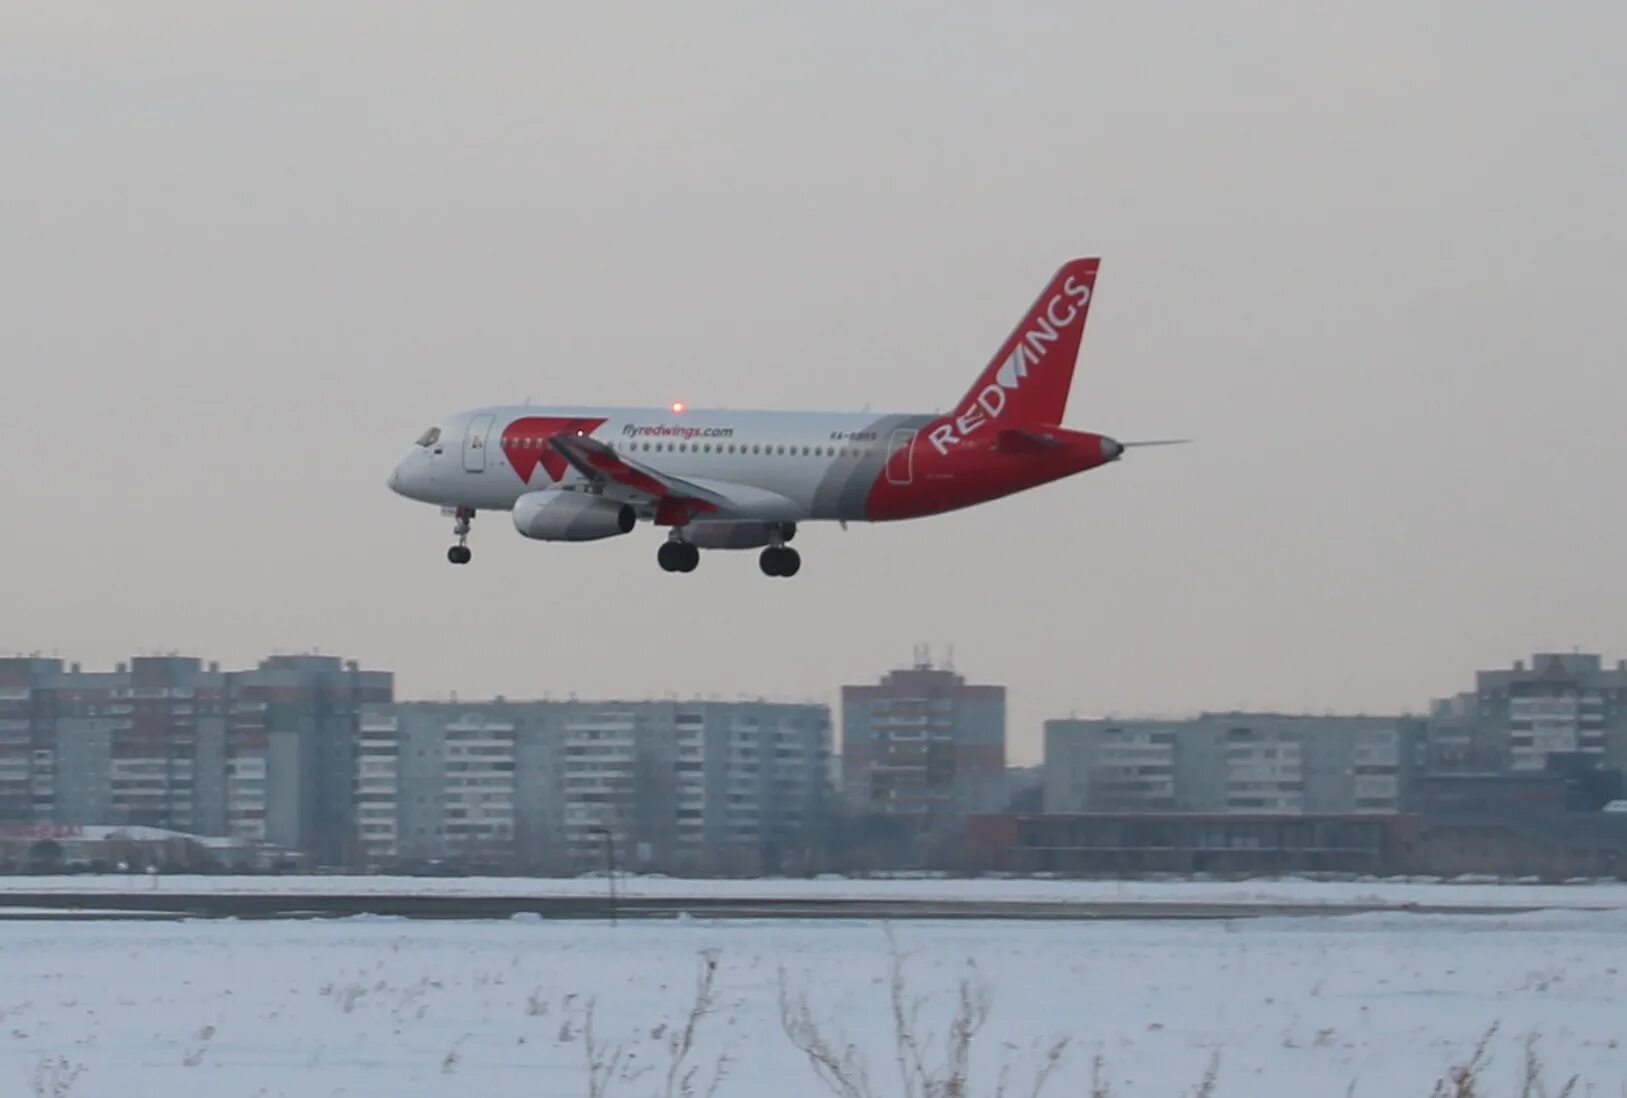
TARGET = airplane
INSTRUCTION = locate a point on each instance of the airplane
(723, 479)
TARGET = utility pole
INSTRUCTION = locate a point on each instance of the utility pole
(610, 865)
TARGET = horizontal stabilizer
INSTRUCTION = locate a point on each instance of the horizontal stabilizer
(1018, 440)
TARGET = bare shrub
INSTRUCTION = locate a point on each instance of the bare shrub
(844, 1072)
(603, 1058)
(681, 1082)
(1211, 1078)
(55, 1076)
(1049, 1059)
(1533, 1082)
(194, 1056)
(346, 995)
(454, 1056)
(607, 1061)
(1463, 1080)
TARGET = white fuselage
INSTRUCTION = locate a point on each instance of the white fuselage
(774, 466)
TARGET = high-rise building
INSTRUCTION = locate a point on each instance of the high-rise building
(28, 757)
(160, 753)
(132, 746)
(1258, 763)
(378, 783)
(1560, 704)
(455, 780)
(551, 784)
(1111, 766)
(172, 742)
(291, 752)
(924, 744)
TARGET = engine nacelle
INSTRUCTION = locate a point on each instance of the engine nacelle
(571, 516)
(736, 535)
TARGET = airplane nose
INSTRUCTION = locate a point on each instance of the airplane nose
(1111, 448)
(400, 481)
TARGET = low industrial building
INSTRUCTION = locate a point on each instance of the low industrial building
(1109, 844)
(53, 848)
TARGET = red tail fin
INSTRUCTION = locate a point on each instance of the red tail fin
(1028, 380)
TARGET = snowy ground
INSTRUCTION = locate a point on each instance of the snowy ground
(1595, 894)
(371, 1007)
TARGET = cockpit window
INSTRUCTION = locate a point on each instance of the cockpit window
(430, 437)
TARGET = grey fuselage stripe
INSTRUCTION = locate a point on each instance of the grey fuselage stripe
(845, 487)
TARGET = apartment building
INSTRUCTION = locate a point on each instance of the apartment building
(378, 779)
(1254, 763)
(1517, 718)
(174, 742)
(923, 744)
(558, 784)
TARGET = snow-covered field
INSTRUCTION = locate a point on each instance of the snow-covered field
(1598, 894)
(371, 1007)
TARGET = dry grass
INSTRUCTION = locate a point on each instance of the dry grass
(1468, 1079)
(926, 1069)
(608, 1064)
(842, 1068)
(55, 1076)
(683, 1080)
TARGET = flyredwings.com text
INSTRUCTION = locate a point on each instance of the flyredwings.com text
(1061, 313)
(668, 430)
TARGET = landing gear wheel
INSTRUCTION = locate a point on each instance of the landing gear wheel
(459, 554)
(678, 556)
(779, 561)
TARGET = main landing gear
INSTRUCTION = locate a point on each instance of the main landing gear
(778, 560)
(677, 556)
(459, 553)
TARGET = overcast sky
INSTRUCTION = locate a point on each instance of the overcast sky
(1372, 256)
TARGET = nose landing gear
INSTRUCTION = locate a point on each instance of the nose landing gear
(459, 553)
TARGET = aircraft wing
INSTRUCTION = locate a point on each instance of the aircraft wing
(634, 482)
